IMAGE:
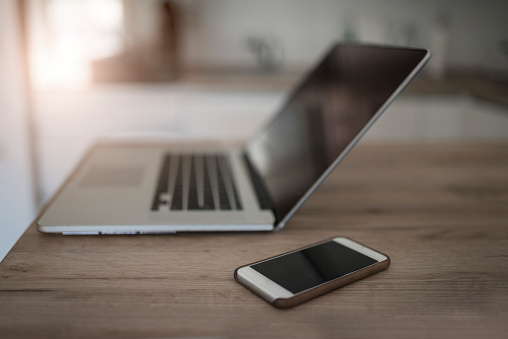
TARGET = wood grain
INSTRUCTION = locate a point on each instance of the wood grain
(439, 211)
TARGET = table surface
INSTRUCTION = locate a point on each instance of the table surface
(439, 211)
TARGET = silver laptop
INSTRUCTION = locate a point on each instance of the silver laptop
(121, 188)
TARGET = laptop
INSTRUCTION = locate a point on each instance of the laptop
(152, 188)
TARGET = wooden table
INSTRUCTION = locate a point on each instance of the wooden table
(440, 212)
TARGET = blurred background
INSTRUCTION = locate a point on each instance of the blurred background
(74, 71)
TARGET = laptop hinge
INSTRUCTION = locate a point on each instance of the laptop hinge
(264, 199)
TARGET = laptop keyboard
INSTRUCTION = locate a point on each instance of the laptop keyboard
(196, 182)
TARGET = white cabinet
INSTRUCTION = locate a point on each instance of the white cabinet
(485, 121)
(441, 118)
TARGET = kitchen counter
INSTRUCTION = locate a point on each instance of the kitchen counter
(477, 86)
(469, 83)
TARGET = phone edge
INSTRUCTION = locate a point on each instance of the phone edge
(312, 293)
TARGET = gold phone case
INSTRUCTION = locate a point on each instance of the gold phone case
(324, 288)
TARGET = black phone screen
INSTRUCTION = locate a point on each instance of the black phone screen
(313, 266)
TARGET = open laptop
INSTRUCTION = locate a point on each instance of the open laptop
(121, 188)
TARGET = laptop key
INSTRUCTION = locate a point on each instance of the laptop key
(196, 182)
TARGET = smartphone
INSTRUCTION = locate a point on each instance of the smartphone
(291, 278)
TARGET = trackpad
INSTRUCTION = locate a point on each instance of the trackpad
(112, 176)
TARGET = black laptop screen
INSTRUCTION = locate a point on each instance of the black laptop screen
(324, 115)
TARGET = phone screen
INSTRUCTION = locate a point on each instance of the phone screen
(313, 266)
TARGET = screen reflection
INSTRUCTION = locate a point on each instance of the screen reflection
(313, 266)
(323, 116)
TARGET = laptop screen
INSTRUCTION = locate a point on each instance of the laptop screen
(324, 115)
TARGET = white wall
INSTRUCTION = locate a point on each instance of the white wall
(16, 199)
(215, 31)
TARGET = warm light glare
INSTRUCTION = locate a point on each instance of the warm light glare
(73, 34)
